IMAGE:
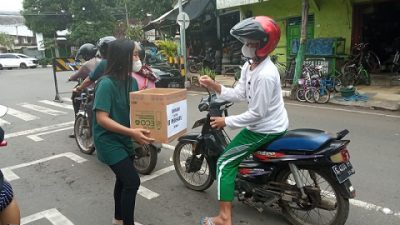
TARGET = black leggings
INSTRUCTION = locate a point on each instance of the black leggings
(125, 190)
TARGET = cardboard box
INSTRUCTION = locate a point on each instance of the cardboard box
(161, 110)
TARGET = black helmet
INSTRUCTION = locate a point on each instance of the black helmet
(86, 51)
(102, 45)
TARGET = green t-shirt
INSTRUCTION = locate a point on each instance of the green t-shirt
(111, 96)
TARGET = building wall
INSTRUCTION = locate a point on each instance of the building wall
(333, 19)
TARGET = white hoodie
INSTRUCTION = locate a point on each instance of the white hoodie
(261, 89)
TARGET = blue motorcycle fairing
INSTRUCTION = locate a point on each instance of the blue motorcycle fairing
(306, 140)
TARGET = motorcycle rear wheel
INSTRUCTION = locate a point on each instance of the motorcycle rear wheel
(83, 135)
(199, 180)
(299, 214)
(145, 159)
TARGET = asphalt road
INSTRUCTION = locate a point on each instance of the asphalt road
(56, 184)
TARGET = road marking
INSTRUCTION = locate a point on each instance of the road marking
(41, 129)
(3, 122)
(42, 109)
(66, 99)
(149, 194)
(35, 137)
(157, 174)
(61, 105)
(373, 207)
(343, 110)
(10, 175)
(53, 215)
(21, 115)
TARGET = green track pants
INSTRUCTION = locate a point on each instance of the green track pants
(244, 144)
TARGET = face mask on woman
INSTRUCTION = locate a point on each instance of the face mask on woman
(136, 65)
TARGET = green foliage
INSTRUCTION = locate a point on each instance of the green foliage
(6, 40)
(167, 47)
(207, 71)
(140, 8)
(44, 61)
(135, 33)
(47, 16)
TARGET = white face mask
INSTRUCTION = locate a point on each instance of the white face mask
(249, 52)
(136, 65)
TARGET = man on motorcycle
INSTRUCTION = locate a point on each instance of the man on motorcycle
(266, 118)
(102, 46)
(87, 52)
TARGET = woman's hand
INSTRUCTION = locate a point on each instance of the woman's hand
(141, 136)
(217, 122)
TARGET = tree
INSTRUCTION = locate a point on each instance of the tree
(47, 16)
(6, 40)
(92, 20)
(303, 39)
(140, 8)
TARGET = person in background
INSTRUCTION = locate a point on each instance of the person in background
(102, 46)
(111, 127)
(142, 72)
(266, 118)
(88, 53)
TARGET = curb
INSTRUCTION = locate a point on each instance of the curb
(370, 104)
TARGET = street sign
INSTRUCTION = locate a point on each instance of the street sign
(183, 19)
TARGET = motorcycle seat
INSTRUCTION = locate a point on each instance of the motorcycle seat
(300, 140)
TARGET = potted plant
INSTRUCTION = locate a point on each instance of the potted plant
(168, 48)
(44, 62)
(207, 71)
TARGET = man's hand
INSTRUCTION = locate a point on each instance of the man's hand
(217, 122)
(207, 82)
(76, 89)
(141, 136)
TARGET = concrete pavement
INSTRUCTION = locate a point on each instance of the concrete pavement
(381, 95)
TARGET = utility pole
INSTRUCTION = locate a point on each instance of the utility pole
(127, 17)
(183, 38)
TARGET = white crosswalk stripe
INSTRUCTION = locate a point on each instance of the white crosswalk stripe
(21, 115)
(61, 105)
(3, 122)
(42, 109)
(66, 99)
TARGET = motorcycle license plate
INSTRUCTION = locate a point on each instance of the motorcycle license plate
(343, 171)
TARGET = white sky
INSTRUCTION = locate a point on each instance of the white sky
(11, 5)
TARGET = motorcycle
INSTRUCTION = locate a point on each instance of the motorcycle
(145, 157)
(196, 63)
(305, 173)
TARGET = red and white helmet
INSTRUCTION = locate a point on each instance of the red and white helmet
(259, 28)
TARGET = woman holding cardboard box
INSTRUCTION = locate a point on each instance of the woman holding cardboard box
(111, 128)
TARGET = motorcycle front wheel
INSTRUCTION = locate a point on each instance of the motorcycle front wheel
(83, 135)
(193, 170)
(328, 208)
(145, 159)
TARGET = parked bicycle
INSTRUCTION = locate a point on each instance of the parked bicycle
(286, 72)
(369, 59)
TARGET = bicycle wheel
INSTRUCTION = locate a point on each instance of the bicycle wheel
(349, 74)
(372, 62)
(300, 95)
(310, 93)
(282, 71)
(323, 95)
(364, 77)
(337, 83)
